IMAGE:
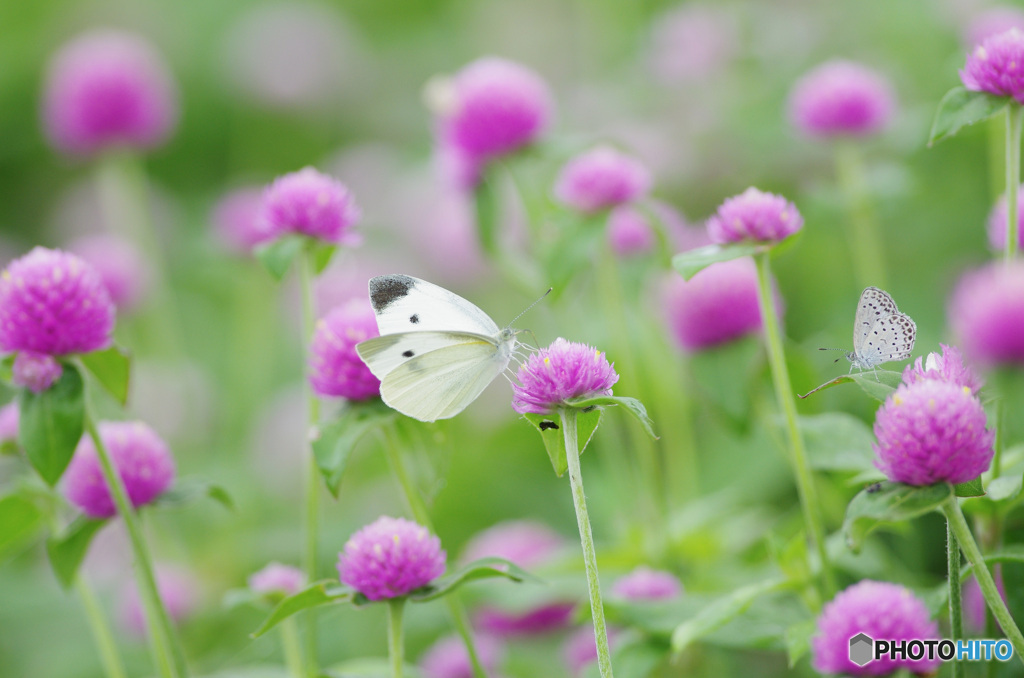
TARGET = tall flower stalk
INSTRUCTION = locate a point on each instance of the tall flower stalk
(1014, 121)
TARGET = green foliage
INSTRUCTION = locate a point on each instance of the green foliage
(22, 519)
(888, 502)
(68, 549)
(277, 256)
(689, 264)
(961, 107)
(333, 443)
(112, 369)
(188, 490)
(878, 384)
(51, 424)
(550, 428)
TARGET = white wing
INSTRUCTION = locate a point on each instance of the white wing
(442, 383)
(873, 305)
(890, 338)
(403, 304)
(384, 354)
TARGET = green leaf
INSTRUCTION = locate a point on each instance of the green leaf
(325, 592)
(632, 405)
(334, 442)
(961, 107)
(277, 256)
(7, 368)
(67, 550)
(1005, 488)
(321, 253)
(721, 611)
(550, 428)
(51, 424)
(484, 568)
(972, 488)
(689, 264)
(888, 502)
(486, 204)
(112, 369)
(724, 373)
(798, 640)
(878, 384)
(21, 519)
(189, 490)
(837, 441)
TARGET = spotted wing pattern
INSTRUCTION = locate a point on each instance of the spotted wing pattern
(880, 333)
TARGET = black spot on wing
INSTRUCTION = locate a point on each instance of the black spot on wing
(386, 289)
(408, 354)
(414, 318)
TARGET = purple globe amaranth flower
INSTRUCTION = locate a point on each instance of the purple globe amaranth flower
(310, 203)
(949, 366)
(754, 215)
(494, 106)
(974, 605)
(629, 231)
(447, 658)
(997, 222)
(986, 314)
(841, 98)
(108, 88)
(932, 431)
(53, 302)
(991, 22)
(335, 369)
(563, 371)
(121, 266)
(178, 590)
(601, 178)
(278, 578)
(881, 610)
(9, 417)
(717, 305)
(141, 458)
(580, 649)
(237, 220)
(645, 584)
(35, 371)
(391, 557)
(995, 66)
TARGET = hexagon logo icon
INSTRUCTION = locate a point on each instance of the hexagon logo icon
(861, 649)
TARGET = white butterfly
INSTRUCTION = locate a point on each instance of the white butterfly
(880, 332)
(437, 352)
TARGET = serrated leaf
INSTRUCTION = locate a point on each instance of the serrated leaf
(21, 519)
(1005, 488)
(189, 490)
(550, 428)
(485, 203)
(961, 107)
(878, 384)
(51, 424)
(334, 442)
(277, 256)
(632, 405)
(798, 640)
(317, 594)
(889, 502)
(67, 550)
(112, 369)
(484, 568)
(721, 611)
(972, 488)
(837, 441)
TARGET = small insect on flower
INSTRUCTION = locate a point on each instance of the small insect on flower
(874, 487)
(881, 333)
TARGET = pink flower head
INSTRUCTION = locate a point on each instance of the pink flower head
(563, 371)
(754, 215)
(142, 459)
(693, 42)
(335, 368)
(997, 221)
(9, 417)
(447, 658)
(391, 557)
(35, 371)
(278, 578)
(580, 649)
(237, 220)
(645, 584)
(178, 590)
(526, 543)
(629, 231)
(881, 610)
(932, 431)
(124, 272)
(601, 178)
(458, 169)
(974, 605)
(535, 621)
(841, 98)
(55, 303)
(986, 314)
(108, 88)
(995, 66)
(309, 203)
(993, 21)
(496, 106)
(946, 367)
(717, 305)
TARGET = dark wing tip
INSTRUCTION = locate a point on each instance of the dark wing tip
(386, 289)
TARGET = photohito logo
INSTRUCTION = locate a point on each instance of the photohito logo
(865, 649)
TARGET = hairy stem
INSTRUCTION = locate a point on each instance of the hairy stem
(396, 646)
(956, 619)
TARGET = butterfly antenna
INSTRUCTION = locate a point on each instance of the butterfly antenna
(540, 299)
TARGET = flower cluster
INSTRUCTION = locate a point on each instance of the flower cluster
(986, 314)
(994, 66)
(391, 557)
(754, 215)
(563, 371)
(310, 203)
(645, 584)
(277, 578)
(997, 219)
(841, 98)
(601, 178)
(35, 371)
(447, 658)
(335, 368)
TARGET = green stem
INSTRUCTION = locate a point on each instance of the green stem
(100, 630)
(572, 455)
(418, 509)
(958, 526)
(784, 392)
(1014, 117)
(396, 648)
(956, 619)
(167, 656)
(864, 238)
(312, 508)
(292, 646)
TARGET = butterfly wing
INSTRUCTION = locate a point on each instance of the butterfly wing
(873, 305)
(384, 354)
(405, 304)
(890, 338)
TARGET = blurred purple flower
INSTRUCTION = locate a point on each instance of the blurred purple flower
(601, 178)
(55, 303)
(841, 98)
(335, 369)
(278, 578)
(178, 590)
(141, 458)
(120, 265)
(447, 658)
(645, 584)
(717, 305)
(35, 371)
(458, 169)
(991, 22)
(994, 66)
(754, 215)
(946, 367)
(974, 605)
(997, 222)
(932, 431)
(108, 88)
(310, 203)
(580, 649)
(629, 231)
(881, 610)
(9, 416)
(391, 557)
(236, 218)
(693, 42)
(564, 370)
(526, 543)
(986, 314)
